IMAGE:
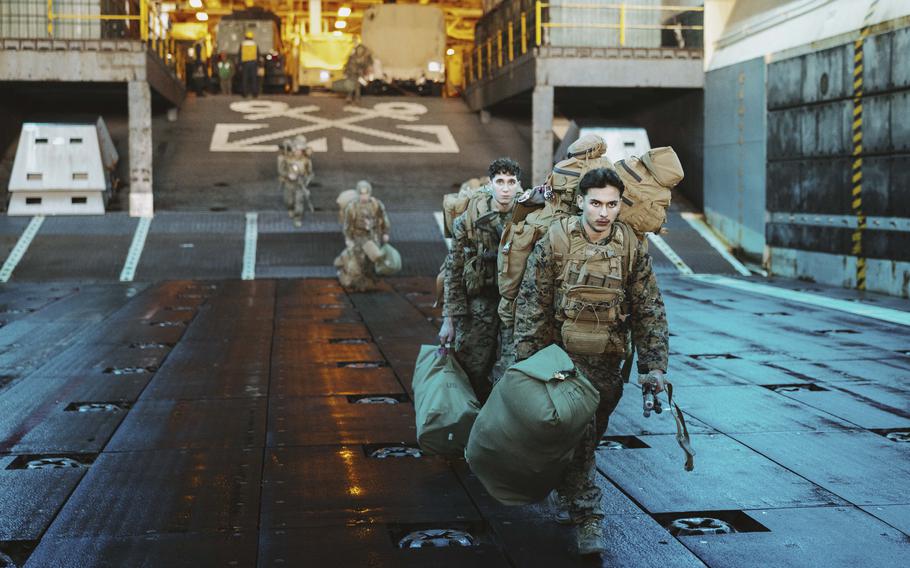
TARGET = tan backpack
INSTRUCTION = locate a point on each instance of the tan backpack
(648, 182)
(454, 204)
(529, 222)
(517, 242)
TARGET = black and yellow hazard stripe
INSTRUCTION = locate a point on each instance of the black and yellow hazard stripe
(857, 177)
(857, 170)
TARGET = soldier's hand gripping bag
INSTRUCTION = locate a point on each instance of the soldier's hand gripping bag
(389, 262)
(444, 402)
(526, 432)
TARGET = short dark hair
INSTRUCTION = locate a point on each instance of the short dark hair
(506, 166)
(600, 177)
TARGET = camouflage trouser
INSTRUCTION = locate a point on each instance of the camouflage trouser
(355, 269)
(301, 202)
(287, 189)
(506, 352)
(578, 487)
(477, 341)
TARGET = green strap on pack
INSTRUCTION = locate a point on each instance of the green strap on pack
(682, 433)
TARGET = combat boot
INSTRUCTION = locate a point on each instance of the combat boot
(560, 508)
(589, 537)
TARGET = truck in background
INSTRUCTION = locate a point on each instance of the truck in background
(266, 28)
(408, 43)
(321, 59)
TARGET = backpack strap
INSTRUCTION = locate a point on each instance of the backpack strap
(559, 241)
(478, 205)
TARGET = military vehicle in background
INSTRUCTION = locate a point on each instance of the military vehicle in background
(266, 28)
(409, 42)
(321, 59)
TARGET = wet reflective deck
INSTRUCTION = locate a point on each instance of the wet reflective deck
(270, 423)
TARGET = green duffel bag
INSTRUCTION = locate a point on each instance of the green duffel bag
(526, 432)
(444, 402)
(389, 262)
(343, 85)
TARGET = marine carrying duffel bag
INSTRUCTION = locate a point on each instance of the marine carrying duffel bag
(444, 402)
(527, 431)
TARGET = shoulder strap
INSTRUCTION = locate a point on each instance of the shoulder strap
(478, 204)
(559, 240)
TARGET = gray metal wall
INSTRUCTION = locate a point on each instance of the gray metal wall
(734, 154)
(809, 186)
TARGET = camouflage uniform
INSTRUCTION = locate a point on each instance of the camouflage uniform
(536, 327)
(475, 313)
(299, 172)
(357, 65)
(362, 222)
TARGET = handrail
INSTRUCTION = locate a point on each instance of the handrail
(622, 26)
(497, 28)
(142, 17)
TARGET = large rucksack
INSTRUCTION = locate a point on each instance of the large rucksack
(648, 182)
(453, 206)
(527, 431)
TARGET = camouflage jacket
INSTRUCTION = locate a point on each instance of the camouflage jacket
(536, 325)
(366, 220)
(485, 243)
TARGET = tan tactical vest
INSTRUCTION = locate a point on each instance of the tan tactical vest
(591, 289)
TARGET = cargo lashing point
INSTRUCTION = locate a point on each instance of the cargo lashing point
(376, 400)
(167, 323)
(86, 407)
(150, 345)
(708, 356)
(382, 398)
(51, 461)
(796, 387)
(119, 371)
(384, 450)
(436, 538)
(621, 443)
(54, 463)
(898, 436)
(694, 526)
(361, 364)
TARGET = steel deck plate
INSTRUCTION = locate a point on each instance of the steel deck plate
(303, 332)
(808, 537)
(215, 358)
(333, 420)
(867, 406)
(198, 424)
(365, 545)
(752, 408)
(898, 516)
(178, 550)
(290, 354)
(166, 491)
(325, 485)
(727, 476)
(861, 467)
(196, 386)
(30, 498)
(328, 380)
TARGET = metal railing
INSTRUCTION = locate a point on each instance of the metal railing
(515, 27)
(138, 20)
